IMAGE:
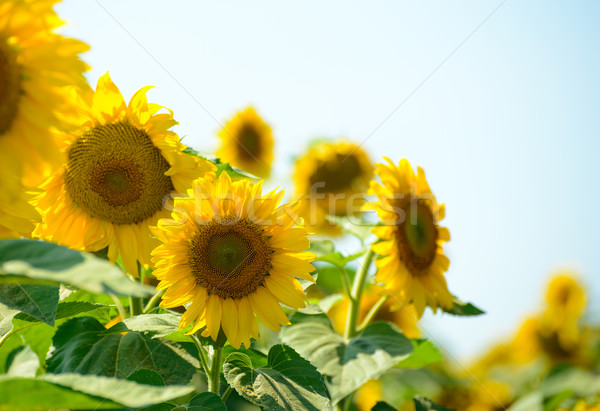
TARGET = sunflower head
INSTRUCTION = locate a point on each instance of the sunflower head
(247, 143)
(412, 263)
(233, 254)
(120, 168)
(565, 297)
(333, 177)
(37, 69)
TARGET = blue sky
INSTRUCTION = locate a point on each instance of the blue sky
(497, 101)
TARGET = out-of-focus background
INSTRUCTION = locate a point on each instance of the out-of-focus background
(497, 100)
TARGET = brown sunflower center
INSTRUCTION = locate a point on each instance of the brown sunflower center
(115, 173)
(417, 236)
(10, 86)
(336, 174)
(230, 257)
(248, 140)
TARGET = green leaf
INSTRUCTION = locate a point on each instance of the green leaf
(39, 301)
(464, 309)
(349, 364)
(206, 401)
(326, 253)
(288, 382)
(148, 377)
(39, 262)
(382, 406)
(257, 358)
(24, 362)
(424, 354)
(74, 391)
(234, 172)
(153, 325)
(81, 347)
(425, 404)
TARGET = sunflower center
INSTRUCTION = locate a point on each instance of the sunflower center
(417, 236)
(10, 86)
(230, 257)
(336, 175)
(115, 173)
(249, 142)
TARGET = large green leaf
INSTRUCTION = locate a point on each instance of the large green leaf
(24, 362)
(206, 401)
(39, 262)
(74, 391)
(288, 382)
(39, 301)
(81, 347)
(348, 363)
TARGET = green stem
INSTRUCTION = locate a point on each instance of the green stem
(119, 306)
(226, 394)
(215, 368)
(356, 295)
(373, 312)
(136, 306)
(201, 355)
(345, 282)
(152, 303)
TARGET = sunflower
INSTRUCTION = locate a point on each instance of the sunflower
(233, 253)
(119, 168)
(333, 177)
(37, 69)
(404, 318)
(412, 263)
(17, 215)
(247, 143)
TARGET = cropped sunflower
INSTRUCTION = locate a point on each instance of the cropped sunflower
(247, 143)
(17, 215)
(405, 318)
(233, 253)
(333, 177)
(412, 263)
(37, 69)
(119, 169)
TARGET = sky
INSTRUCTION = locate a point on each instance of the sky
(496, 100)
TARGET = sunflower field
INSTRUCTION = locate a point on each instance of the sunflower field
(137, 272)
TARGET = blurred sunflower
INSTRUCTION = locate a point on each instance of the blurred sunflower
(412, 263)
(247, 143)
(333, 177)
(405, 318)
(120, 167)
(17, 216)
(233, 253)
(368, 395)
(37, 69)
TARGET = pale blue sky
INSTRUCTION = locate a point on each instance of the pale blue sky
(506, 128)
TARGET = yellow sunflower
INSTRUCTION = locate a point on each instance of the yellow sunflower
(404, 318)
(233, 253)
(412, 263)
(37, 69)
(333, 177)
(119, 169)
(17, 215)
(247, 143)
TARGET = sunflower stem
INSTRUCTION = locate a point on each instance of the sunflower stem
(345, 282)
(215, 368)
(152, 303)
(226, 394)
(356, 295)
(136, 305)
(373, 312)
(202, 355)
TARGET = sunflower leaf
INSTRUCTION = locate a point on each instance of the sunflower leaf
(152, 325)
(424, 354)
(39, 301)
(82, 347)
(234, 172)
(348, 363)
(425, 404)
(288, 381)
(206, 401)
(461, 308)
(75, 391)
(39, 262)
